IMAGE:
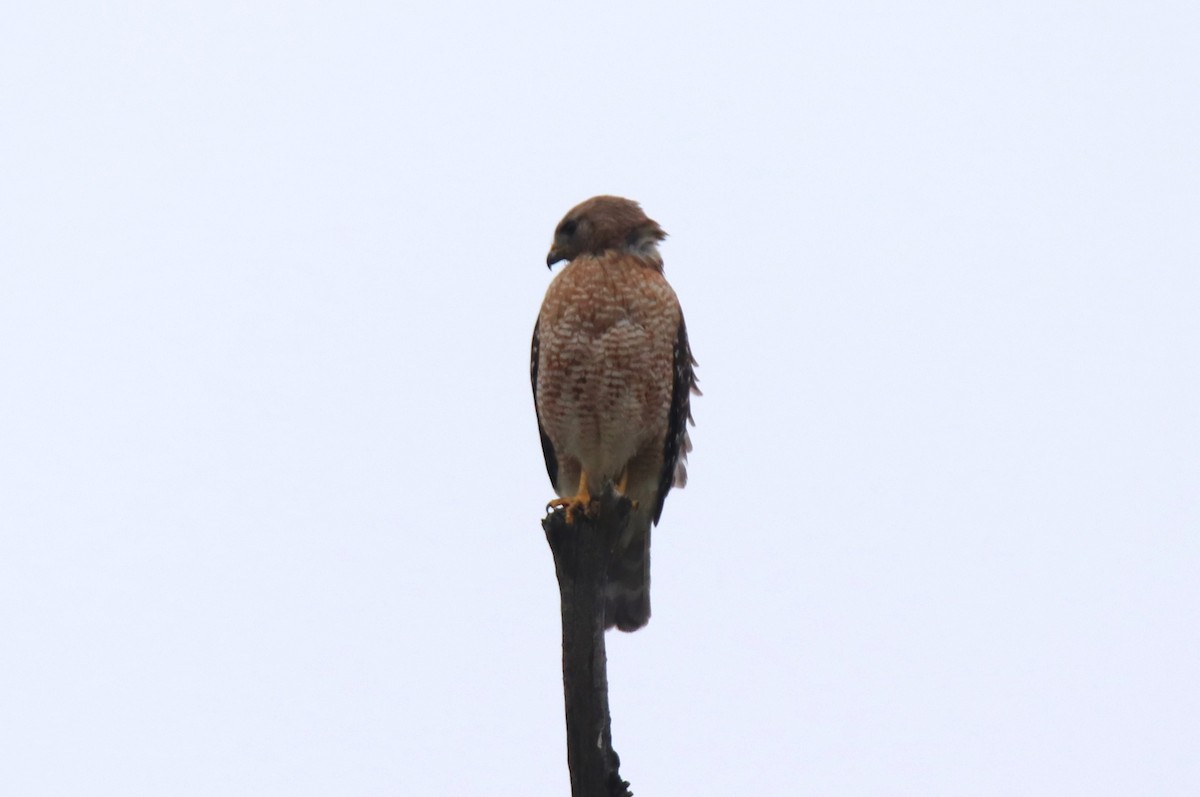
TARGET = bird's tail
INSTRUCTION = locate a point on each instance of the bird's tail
(627, 593)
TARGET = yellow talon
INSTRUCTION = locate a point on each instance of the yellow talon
(623, 484)
(580, 502)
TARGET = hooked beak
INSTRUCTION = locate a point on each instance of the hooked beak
(553, 257)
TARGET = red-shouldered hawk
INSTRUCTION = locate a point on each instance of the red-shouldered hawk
(612, 381)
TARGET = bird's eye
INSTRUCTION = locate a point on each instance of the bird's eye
(568, 228)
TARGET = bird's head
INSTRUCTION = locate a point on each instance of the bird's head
(605, 223)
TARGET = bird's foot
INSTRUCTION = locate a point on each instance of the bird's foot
(575, 505)
(580, 502)
(621, 486)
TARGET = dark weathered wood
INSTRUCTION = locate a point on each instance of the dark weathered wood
(582, 552)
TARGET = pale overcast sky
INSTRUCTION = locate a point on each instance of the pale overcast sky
(270, 479)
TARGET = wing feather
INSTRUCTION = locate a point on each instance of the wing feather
(677, 444)
(547, 447)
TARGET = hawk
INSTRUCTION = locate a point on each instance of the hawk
(612, 382)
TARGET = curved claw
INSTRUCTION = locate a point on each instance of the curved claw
(573, 505)
(580, 502)
(623, 485)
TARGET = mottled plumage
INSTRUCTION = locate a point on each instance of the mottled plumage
(612, 380)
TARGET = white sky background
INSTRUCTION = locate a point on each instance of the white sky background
(270, 479)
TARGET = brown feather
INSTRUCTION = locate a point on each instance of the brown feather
(612, 378)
